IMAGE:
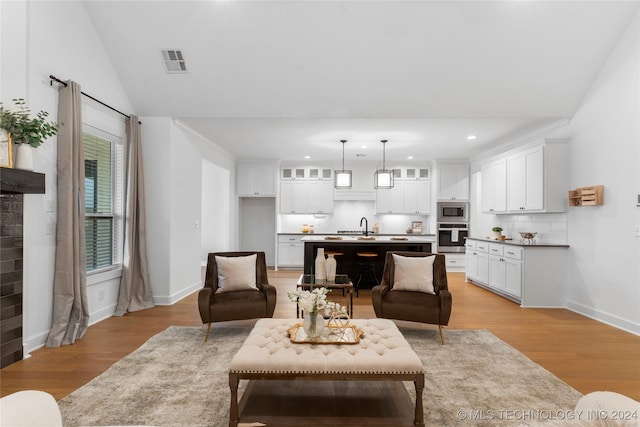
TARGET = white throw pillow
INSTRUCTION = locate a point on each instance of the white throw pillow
(413, 273)
(236, 273)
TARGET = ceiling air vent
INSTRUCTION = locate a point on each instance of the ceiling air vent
(174, 61)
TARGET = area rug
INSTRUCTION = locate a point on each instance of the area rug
(176, 379)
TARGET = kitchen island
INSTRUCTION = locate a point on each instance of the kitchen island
(349, 246)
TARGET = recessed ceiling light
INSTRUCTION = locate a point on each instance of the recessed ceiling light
(307, 157)
(471, 137)
(364, 147)
(410, 157)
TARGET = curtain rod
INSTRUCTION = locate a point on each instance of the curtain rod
(54, 78)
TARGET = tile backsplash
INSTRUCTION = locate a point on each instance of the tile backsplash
(346, 216)
(551, 228)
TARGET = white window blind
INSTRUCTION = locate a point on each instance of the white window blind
(103, 163)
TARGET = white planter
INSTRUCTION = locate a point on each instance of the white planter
(330, 268)
(24, 157)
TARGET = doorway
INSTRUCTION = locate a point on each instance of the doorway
(257, 227)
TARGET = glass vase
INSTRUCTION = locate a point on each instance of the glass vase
(313, 324)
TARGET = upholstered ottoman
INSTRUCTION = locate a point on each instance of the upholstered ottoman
(381, 355)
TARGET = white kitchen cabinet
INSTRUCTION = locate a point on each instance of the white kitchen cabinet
(416, 197)
(454, 262)
(256, 179)
(390, 201)
(532, 275)
(319, 195)
(290, 251)
(306, 197)
(525, 177)
(494, 187)
(477, 261)
(416, 173)
(292, 173)
(471, 259)
(306, 190)
(513, 277)
(496, 267)
(293, 197)
(453, 181)
(505, 269)
(323, 174)
(532, 179)
(411, 193)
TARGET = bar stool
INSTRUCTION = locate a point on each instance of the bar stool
(367, 267)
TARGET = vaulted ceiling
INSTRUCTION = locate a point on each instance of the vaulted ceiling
(285, 79)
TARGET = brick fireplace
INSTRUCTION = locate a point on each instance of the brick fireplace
(14, 184)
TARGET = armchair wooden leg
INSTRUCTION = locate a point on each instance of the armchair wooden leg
(206, 337)
(441, 334)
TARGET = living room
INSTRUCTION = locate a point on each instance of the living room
(61, 38)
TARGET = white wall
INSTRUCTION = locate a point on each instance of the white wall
(604, 279)
(39, 39)
(216, 188)
(174, 185)
(185, 188)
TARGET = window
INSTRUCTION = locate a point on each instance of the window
(103, 182)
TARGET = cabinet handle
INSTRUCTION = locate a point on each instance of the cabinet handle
(511, 253)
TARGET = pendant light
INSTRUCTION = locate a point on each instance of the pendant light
(342, 177)
(383, 178)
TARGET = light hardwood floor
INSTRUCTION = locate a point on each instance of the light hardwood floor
(586, 354)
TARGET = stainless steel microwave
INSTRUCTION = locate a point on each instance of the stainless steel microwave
(453, 212)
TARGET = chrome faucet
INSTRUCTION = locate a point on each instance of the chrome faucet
(366, 226)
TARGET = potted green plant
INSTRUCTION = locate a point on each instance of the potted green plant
(26, 132)
(497, 231)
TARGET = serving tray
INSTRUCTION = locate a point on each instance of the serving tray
(331, 334)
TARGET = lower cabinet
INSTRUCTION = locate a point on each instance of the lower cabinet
(290, 251)
(454, 262)
(534, 276)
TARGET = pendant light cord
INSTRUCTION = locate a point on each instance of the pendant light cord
(384, 151)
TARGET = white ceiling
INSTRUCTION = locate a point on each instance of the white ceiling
(284, 79)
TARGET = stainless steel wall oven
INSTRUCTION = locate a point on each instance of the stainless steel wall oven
(451, 237)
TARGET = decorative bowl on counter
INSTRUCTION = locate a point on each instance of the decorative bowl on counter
(528, 236)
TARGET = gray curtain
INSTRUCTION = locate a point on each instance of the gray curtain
(70, 304)
(135, 288)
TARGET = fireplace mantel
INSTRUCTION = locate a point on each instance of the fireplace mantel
(22, 182)
(15, 184)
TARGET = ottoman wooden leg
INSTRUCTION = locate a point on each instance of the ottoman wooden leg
(419, 417)
(233, 407)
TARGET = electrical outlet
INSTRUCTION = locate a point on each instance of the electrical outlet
(636, 232)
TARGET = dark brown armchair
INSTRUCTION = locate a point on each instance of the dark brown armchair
(411, 305)
(236, 304)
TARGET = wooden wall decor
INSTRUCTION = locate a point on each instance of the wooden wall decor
(587, 196)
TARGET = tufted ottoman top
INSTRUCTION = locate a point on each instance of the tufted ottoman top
(382, 350)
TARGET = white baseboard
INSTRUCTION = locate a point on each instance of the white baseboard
(174, 298)
(600, 316)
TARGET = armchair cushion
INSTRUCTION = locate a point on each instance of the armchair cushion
(413, 274)
(236, 273)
